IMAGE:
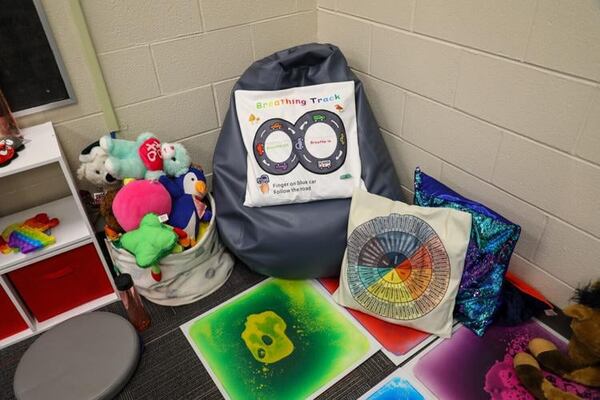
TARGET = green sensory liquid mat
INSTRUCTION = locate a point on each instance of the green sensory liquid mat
(279, 340)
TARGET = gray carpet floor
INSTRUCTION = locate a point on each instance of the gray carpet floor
(169, 368)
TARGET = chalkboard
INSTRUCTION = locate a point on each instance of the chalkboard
(32, 76)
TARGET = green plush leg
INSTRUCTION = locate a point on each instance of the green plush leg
(131, 168)
(106, 143)
(118, 148)
(531, 377)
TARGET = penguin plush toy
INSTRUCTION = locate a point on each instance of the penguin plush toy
(187, 192)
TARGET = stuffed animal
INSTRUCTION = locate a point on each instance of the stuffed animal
(9, 148)
(138, 198)
(150, 243)
(7, 154)
(581, 365)
(140, 159)
(92, 167)
(15, 142)
(112, 228)
(188, 209)
(176, 160)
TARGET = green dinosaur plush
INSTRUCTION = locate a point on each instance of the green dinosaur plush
(150, 243)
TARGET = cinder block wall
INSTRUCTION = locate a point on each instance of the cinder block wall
(169, 67)
(498, 99)
(501, 101)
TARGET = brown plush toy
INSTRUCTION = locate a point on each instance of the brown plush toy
(582, 365)
(112, 229)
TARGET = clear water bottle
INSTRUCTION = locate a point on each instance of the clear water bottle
(138, 316)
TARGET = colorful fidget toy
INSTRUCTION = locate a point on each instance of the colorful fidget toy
(4, 247)
(28, 236)
(27, 239)
(41, 222)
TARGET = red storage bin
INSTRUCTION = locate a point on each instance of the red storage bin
(11, 321)
(58, 284)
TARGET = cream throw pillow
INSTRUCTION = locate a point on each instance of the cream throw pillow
(403, 263)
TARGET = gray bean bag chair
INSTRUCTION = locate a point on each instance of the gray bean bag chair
(295, 240)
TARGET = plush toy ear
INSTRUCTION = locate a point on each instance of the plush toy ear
(96, 152)
(89, 147)
(578, 312)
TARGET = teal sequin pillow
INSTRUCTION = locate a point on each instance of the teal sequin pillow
(493, 239)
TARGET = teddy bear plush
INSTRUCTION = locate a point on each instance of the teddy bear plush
(92, 170)
(581, 365)
(92, 167)
(139, 159)
(176, 160)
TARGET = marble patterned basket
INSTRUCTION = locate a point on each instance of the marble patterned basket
(187, 276)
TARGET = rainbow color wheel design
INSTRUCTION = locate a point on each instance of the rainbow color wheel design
(398, 267)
